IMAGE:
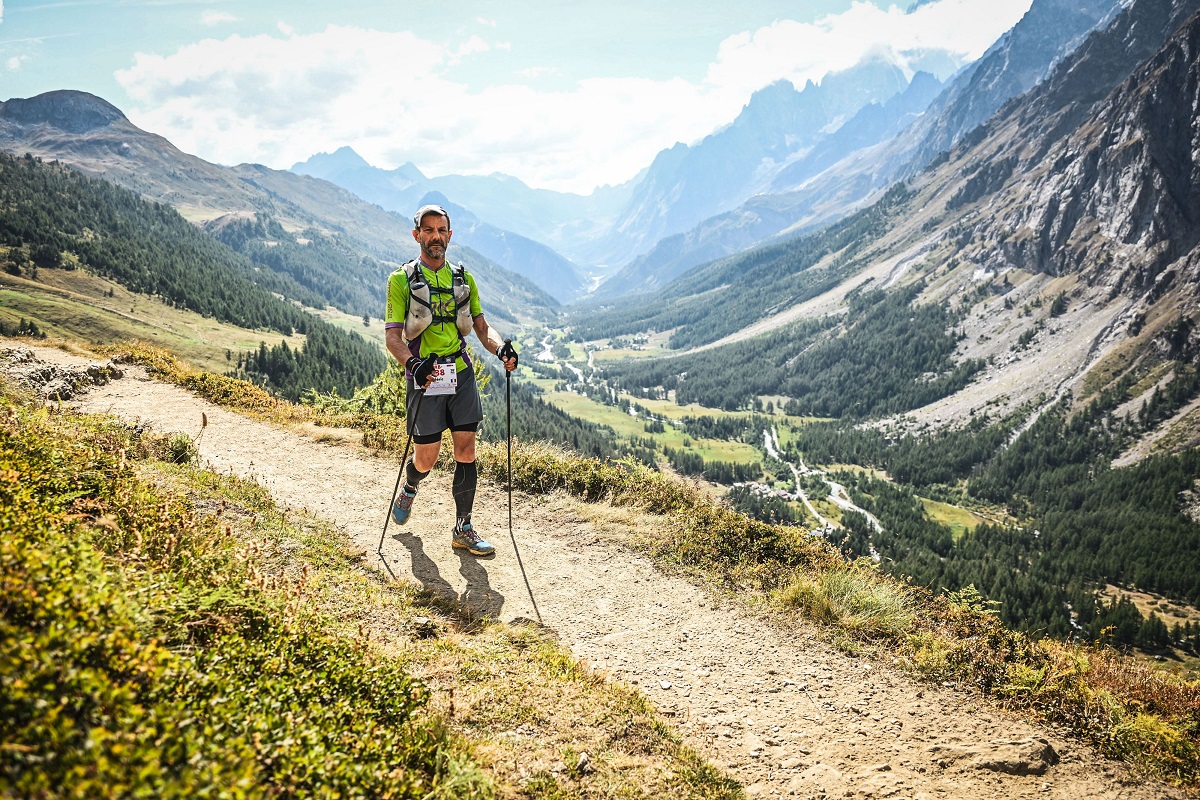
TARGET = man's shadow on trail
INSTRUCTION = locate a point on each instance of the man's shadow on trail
(477, 600)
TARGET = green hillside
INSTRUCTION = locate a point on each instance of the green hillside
(77, 306)
(170, 632)
(52, 217)
(724, 296)
(321, 270)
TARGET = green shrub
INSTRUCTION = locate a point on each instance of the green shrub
(181, 449)
(137, 658)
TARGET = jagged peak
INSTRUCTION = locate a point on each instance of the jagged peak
(780, 87)
(349, 156)
(68, 110)
(343, 159)
(922, 79)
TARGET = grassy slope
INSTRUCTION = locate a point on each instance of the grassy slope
(75, 305)
(627, 426)
(959, 520)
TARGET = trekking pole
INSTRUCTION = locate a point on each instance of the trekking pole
(403, 461)
(508, 431)
(508, 436)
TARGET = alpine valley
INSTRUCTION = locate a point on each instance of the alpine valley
(949, 320)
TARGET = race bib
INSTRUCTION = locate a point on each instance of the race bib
(445, 379)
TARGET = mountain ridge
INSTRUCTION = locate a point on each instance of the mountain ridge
(995, 226)
(114, 149)
(1041, 38)
(559, 221)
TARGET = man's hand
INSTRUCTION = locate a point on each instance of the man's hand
(508, 354)
(421, 369)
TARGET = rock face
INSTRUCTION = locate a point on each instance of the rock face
(1015, 64)
(1125, 178)
(69, 111)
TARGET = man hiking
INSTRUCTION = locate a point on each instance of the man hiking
(431, 307)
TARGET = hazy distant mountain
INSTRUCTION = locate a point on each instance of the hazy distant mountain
(563, 222)
(543, 267)
(874, 123)
(755, 220)
(799, 200)
(93, 136)
(397, 190)
(404, 190)
(689, 183)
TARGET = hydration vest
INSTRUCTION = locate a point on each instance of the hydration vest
(420, 301)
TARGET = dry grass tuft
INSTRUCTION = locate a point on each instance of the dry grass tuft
(857, 598)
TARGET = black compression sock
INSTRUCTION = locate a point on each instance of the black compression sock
(413, 476)
(466, 477)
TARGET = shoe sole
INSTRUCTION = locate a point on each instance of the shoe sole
(472, 550)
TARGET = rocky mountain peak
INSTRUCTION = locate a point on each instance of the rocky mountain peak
(68, 110)
(321, 165)
(1121, 180)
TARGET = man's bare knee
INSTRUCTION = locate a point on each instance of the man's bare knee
(464, 446)
(426, 455)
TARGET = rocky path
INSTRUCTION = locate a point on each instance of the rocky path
(784, 713)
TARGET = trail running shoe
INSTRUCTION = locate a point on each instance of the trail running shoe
(468, 538)
(402, 508)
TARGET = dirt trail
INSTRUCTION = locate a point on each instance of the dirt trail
(785, 714)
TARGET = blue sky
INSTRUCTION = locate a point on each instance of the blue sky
(564, 95)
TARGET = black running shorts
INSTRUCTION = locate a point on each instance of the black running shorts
(461, 411)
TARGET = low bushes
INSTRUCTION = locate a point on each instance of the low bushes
(139, 655)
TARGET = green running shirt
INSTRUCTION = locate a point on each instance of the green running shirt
(440, 338)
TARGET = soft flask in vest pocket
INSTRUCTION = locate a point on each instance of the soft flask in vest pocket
(420, 301)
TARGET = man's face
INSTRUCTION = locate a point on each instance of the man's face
(433, 236)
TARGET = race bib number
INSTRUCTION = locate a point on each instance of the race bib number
(445, 379)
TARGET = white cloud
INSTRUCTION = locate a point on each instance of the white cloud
(802, 51)
(539, 72)
(14, 63)
(491, 23)
(277, 99)
(212, 18)
(473, 45)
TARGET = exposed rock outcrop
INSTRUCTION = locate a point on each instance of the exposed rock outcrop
(54, 381)
(1024, 757)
